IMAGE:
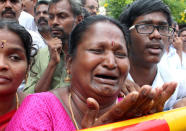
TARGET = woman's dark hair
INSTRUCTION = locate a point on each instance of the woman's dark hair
(25, 37)
(78, 32)
(142, 7)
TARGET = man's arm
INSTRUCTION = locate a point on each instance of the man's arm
(55, 49)
(177, 43)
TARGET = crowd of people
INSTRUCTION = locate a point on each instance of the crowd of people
(65, 68)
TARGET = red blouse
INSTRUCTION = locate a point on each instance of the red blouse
(4, 119)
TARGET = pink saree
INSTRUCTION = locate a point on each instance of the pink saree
(41, 112)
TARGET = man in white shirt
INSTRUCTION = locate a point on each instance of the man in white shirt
(27, 21)
(26, 18)
(172, 57)
(41, 18)
(149, 24)
(182, 35)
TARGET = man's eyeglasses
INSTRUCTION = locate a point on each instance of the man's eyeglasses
(149, 28)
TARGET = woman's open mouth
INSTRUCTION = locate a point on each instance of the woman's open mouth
(106, 79)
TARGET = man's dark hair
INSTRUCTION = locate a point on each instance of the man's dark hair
(78, 32)
(181, 30)
(76, 6)
(84, 2)
(142, 7)
(41, 2)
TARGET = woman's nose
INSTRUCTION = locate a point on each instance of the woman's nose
(109, 61)
(3, 64)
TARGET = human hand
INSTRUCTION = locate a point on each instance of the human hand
(162, 95)
(135, 104)
(114, 114)
(131, 106)
(177, 43)
(128, 87)
(55, 48)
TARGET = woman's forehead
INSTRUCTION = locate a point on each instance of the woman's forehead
(100, 30)
(9, 38)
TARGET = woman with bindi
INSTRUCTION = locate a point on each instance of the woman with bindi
(98, 65)
(15, 49)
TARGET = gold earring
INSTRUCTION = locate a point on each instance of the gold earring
(67, 78)
(3, 43)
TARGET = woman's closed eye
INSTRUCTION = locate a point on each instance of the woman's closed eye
(96, 51)
(120, 54)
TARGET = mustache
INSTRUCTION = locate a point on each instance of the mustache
(42, 19)
(64, 36)
(53, 28)
(8, 10)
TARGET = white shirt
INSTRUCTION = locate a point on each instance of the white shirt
(27, 21)
(184, 61)
(171, 59)
(164, 75)
(38, 41)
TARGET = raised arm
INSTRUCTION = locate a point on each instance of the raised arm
(55, 49)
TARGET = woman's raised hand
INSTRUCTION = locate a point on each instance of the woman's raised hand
(135, 104)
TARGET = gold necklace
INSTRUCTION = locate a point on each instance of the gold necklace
(17, 101)
(72, 114)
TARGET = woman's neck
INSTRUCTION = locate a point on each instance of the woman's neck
(7, 103)
(79, 106)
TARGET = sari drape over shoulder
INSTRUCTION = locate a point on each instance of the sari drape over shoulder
(41, 112)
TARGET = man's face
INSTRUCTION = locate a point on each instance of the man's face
(10, 9)
(91, 6)
(41, 17)
(148, 48)
(61, 19)
(183, 37)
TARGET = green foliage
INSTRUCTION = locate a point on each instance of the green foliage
(115, 7)
(178, 8)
